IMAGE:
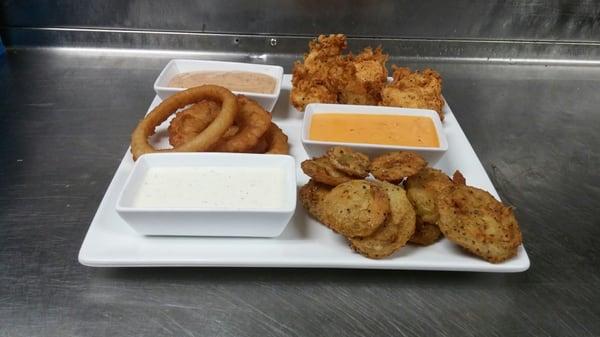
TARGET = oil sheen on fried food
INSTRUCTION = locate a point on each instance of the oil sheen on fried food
(229, 188)
(233, 80)
(374, 129)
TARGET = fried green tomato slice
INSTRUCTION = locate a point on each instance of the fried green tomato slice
(395, 231)
(425, 234)
(422, 190)
(476, 221)
(355, 208)
(311, 197)
(321, 170)
(393, 167)
(458, 178)
(349, 161)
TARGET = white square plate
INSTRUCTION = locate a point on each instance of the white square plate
(305, 243)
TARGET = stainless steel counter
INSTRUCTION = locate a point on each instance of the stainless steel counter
(66, 119)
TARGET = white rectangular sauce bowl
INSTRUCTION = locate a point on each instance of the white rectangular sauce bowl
(316, 148)
(208, 222)
(178, 66)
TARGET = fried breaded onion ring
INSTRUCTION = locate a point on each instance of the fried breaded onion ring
(188, 123)
(203, 141)
(277, 140)
(253, 121)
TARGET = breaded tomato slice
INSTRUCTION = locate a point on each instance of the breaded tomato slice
(476, 221)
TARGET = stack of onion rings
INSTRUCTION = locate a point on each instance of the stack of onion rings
(253, 122)
(214, 120)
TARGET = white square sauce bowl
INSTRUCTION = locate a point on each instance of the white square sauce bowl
(317, 147)
(180, 66)
(209, 194)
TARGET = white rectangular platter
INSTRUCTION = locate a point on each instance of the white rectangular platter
(305, 243)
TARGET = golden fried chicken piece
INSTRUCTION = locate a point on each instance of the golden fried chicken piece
(421, 90)
(313, 79)
(364, 78)
(328, 76)
(324, 49)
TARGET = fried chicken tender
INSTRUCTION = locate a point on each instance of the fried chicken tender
(349, 161)
(476, 221)
(421, 90)
(364, 77)
(395, 166)
(311, 197)
(395, 232)
(355, 208)
(321, 170)
(328, 76)
(313, 79)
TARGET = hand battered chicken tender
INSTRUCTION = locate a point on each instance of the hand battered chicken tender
(313, 80)
(328, 76)
(312, 195)
(395, 166)
(321, 170)
(355, 208)
(364, 78)
(395, 231)
(476, 221)
(421, 90)
(349, 161)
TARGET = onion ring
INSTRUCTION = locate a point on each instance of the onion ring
(253, 122)
(261, 147)
(277, 140)
(190, 122)
(203, 141)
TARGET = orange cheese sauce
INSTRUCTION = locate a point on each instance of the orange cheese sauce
(374, 129)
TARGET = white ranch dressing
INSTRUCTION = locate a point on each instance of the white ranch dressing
(211, 187)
